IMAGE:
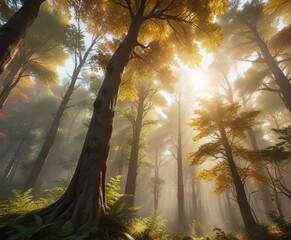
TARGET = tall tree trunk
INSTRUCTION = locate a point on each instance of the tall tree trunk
(280, 78)
(156, 182)
(278, 203)
(50, 137)
(234, 226)
(133, 159)
(275, 192)
(180, 190)
(244, 206)
(13, 160)
(221, 209)
(8, 87)
(11, 164)
(195, 202)
(83, 202)
(15, 30)
(264, 190)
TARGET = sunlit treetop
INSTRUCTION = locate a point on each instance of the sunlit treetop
(179, 24)
(214, 117)
(215, 114)
(151, 63)
(150, 66)
(280, 7)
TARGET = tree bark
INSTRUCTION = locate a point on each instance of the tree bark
(244, 206)
(50, 137)
(133, 159)
(15, 30)
(280, 78)
(83, 202)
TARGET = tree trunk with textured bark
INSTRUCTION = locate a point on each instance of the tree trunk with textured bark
(15, 30)
(84, 201)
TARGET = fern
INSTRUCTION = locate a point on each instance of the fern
(112, 194)
(22, 203)
(37, 230)
(151, 227)
(17, 206)
(118, 219)
(282, 229)
(221, 235)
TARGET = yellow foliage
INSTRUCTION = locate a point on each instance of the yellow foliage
(205, 174)
(281, 7)
(256, 177)
(224, 126)
(223, 182)
(219, 174)
(181, 27)
(127, 90)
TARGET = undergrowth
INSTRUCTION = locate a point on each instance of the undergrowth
(118, 223)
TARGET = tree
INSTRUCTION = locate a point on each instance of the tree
(157, 141)
(11, 167)
(280, 7)
(251, 30)
(39, 53)
(80, 55)
(175, 124)
(225, 127)
(224, 68)
(179, 158)
(178, 19)
(137, 116)
(276, 158)
(179, 137)
(14, 30)
(24, 127)
(147, 93)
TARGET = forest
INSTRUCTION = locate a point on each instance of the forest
(145, 119)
